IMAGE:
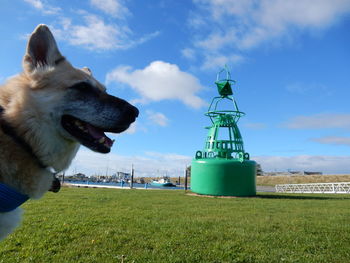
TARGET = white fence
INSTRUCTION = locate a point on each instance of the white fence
(322, 188)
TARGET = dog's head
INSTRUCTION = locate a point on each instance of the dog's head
(71, 99)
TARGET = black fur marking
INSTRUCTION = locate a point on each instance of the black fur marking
(58, 61)
(10, 131)
(86, 88)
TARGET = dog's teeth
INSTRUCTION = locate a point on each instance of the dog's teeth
(102, 140)
(79, 125)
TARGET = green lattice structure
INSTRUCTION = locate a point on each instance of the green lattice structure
(232, 147)
(223, 167)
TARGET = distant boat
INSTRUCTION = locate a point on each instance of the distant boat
(164, 182)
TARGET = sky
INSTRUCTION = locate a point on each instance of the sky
(290, 60)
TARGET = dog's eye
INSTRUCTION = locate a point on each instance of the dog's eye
(85, 87)
(81, 86)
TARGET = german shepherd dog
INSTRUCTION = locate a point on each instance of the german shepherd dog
(46, 112)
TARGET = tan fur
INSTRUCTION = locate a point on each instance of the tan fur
(32, 102)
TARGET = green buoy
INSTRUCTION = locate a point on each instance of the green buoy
(223, 168)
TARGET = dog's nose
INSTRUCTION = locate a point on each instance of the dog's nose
(135, 110)
(130, 112)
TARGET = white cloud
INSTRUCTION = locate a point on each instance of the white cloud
(35, 3)
(115, 8)
(188, 53)
(95, 34)
(319, 121)
(44, 8)
(136, 126)
(149, 164)
(158, 164)
(144, 38)
(160, 81)
(217, 61)
(183, 160)
(228, 27)
(249, 22)
(157, 118)
(304, 88)
(132, 129)
(319, 163)
(336, 140)
(216, 40)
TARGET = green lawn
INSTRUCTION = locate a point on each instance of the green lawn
(107, 225)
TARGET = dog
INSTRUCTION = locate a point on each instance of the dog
(46, 113)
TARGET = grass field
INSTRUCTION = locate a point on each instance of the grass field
(108, 225)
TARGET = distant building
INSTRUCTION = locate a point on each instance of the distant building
(79, 176)
(259, 171)
(122, 176)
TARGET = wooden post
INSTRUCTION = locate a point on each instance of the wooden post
(186, 179)
(132, 176)
(63, 178)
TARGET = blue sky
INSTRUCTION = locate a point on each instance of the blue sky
(291, 61)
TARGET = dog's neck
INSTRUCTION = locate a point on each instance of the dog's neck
(9, 131)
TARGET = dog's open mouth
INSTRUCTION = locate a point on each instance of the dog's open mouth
(88, 135)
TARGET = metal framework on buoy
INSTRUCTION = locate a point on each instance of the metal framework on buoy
(231, 147)
(223, 167)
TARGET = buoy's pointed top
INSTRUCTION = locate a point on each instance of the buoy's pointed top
(224, 82)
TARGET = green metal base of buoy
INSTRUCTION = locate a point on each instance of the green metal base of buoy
(222, 177)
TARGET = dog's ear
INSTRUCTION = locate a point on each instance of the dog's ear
(87, 70)
(42, 50)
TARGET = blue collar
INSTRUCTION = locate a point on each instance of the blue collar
(10, 199)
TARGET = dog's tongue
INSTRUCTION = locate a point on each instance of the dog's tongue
(98, 134)
(94, 132)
